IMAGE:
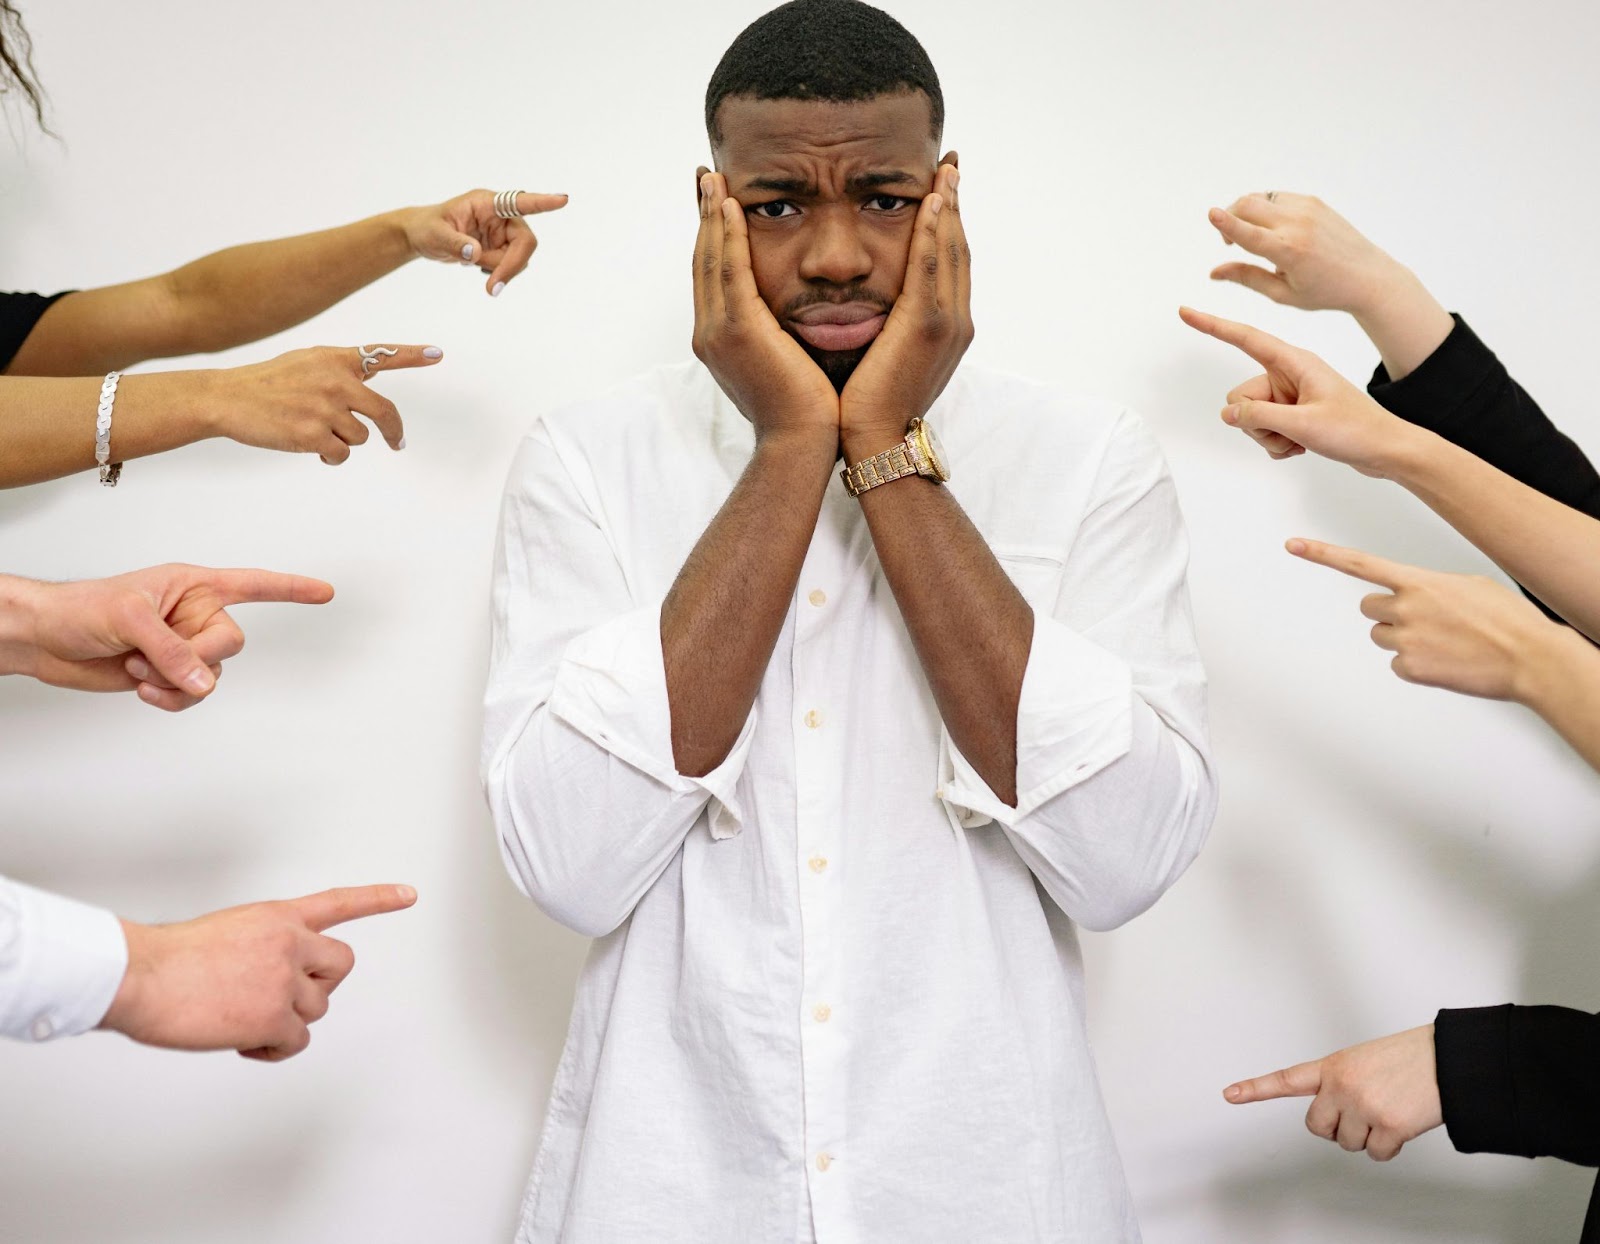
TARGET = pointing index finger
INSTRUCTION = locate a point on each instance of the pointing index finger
(1353, 562)
(531, 204)
(1301, 1080)
(237, 587)
(1266, 349)
(331, 907)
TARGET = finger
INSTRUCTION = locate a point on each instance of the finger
(717, 228)
(154, 680)
(1252, 277)
(921, 287)
(460, 247)
(1386, 636)
(1253, 238)
(294, 1042)
(955, 284)
(310, 1000)
(1301, 1080)
(168, 701)
(1257, 209)
(530, 203)
(1276, 443)
(1322, 1119)
(1263, 347)
(1380, 606)
(738, 282)
(330, 961)
(513, 259)
(1353, 562)
(348, 428)
(1383, 1146)
(384, 414)
(168, 653)
(1352, 1133)
(1264, 417)
(403, 356)
(333, 451)
(240, 587)
(700, 265)
(331, 907)
(220, 640)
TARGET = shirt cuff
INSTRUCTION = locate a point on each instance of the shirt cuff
(1472, 1058)
(612, 688)
(1074, 718)
(61, 966)
(1438, 390)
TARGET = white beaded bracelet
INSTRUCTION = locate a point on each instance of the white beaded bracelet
(110, 471)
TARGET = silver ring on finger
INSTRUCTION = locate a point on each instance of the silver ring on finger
(372, 358)
(505, 204)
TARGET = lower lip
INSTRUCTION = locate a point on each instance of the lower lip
(841, 336)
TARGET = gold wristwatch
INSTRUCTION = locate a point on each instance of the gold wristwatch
(919, 454)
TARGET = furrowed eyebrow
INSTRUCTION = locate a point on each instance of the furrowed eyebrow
(808, 190)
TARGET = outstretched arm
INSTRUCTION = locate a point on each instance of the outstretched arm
(245, 293)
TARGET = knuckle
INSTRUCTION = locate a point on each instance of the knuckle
(929, 264)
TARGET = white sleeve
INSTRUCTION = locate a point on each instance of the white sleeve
(61, 962)
(577, 750)
(1115, 789)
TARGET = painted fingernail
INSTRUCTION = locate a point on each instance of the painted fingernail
(401, 443)
(432, 352)
(498, 286)
(466, 252)
(138, 669)
(407, 894)
(199, 681)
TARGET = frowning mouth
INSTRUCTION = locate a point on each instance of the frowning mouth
(838, 326)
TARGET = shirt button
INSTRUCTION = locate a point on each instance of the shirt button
(43, 1029)
(818, 598)
(818, 863)
(824, 1161)
(822, 1012)
(813, 719)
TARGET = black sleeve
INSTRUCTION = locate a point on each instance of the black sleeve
(1464, 393)
(18, 314)
(1522, 1080)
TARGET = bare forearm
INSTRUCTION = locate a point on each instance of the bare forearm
(1561, 682)
(722, 617)
(1545, 546)
(19, 620)
(47, 426)
(971, 627)
(245, 293)
(1404, 321)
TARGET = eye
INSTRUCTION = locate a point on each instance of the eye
(776, 210)
(887, 203)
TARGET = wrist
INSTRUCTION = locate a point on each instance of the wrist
(1547, 659)
(121, 1015)
(20, 610)
(804, 440)
(859, 444)
(1403, 320)
(397, 232)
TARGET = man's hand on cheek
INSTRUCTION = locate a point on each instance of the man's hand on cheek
(928, 331)
(763, 370)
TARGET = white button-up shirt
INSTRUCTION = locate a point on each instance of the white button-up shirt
(61, 962)
(836, 985)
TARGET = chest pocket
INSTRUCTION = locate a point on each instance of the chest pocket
(1036, 574)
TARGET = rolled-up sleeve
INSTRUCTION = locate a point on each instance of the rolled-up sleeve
(61, 962)
(1115, 788)
(577, 757)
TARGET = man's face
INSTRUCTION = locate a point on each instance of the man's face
(830, 191)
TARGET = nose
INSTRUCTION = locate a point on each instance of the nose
(835, 252)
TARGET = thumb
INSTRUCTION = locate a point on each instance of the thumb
(449, 245)
(173, 657)
(1253, 415)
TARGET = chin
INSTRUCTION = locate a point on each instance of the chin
(837, 365)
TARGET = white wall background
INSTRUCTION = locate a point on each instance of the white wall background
(1382, 850)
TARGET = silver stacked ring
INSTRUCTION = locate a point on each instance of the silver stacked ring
(505, 204)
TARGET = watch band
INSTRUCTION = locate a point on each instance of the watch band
(893, 463)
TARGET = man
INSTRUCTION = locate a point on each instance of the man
(832, 778)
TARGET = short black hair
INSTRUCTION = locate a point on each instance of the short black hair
(835, 50)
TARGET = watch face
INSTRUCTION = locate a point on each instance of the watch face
(933, 449)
